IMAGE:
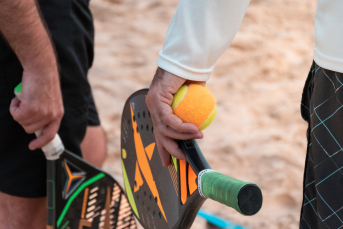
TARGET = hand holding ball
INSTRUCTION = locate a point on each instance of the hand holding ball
(194, 103)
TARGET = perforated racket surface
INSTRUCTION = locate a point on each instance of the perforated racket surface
(158, 198)
(162, 197)
(81, 196)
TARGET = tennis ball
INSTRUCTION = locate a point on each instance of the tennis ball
(194, 103)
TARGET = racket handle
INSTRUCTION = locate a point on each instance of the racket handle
(244, 197)
(55, 147)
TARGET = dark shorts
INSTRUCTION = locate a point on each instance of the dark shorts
(322, 104)
(23, 172)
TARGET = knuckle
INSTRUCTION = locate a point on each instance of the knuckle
(43, 113)
(50, 115)
(163, 132)
(165, 119)
(28, 130)
(61, 112)
(33, 110)
(16, 117)
(172, 146)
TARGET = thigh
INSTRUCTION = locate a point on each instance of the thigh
(18, 212)
(73, 127)
(93, 145)
(79, 120)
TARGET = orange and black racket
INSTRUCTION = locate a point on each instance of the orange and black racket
(163, 198)
(79, 195)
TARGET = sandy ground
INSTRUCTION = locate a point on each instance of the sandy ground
(258, 134)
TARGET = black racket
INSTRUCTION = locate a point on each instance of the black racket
(170, 197)
(80, 195)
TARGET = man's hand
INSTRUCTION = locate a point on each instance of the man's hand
(167, 126)
(41, 105)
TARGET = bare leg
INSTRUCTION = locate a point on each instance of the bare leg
(93, 146)
(19, 213)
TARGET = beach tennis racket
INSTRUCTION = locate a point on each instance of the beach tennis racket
(171, 197)
(79, 195)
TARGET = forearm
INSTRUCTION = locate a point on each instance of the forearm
(41, 106)
(199, 33)
(22, 27)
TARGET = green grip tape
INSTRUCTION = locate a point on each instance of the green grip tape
(18, 88)
(222, 188)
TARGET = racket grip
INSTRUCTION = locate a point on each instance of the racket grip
(53, 149)
(244, 197)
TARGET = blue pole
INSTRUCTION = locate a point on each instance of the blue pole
(217, 221)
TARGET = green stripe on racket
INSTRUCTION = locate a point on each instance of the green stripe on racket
(80, 195)
(171, 197)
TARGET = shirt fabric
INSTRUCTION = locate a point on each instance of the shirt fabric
(328, 37)
(201, 30)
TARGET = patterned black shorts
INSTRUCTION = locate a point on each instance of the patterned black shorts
(322, 108)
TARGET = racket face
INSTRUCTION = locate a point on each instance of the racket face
(82, 196)
(160, 197)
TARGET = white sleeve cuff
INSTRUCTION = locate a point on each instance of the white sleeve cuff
(199, 32)
(184, 71)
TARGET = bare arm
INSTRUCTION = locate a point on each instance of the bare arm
(41, 106)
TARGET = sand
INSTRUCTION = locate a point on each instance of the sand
(258, 134)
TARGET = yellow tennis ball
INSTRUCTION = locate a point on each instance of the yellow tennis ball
(194, 103)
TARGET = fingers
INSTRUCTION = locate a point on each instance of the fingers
(164, 155)
(47, 136)
(14, 108)
(171, 133)
(33, 119)
(168, 126)
(32, 128)
(166, 145)
(175, 125)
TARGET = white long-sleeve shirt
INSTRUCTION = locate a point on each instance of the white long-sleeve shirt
(328, 35)
(201, 30)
